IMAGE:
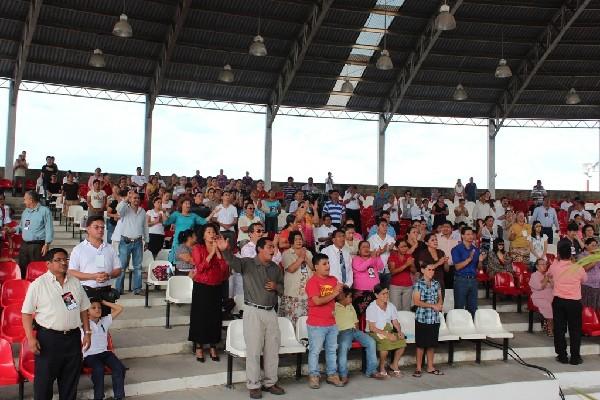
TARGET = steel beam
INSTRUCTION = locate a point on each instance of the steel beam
(380, 151)
(10, 133)
(183, 7)
(413, 65)
(296, 55)
(147, 139)
(491, 157)
(268, 148)
(547, 42)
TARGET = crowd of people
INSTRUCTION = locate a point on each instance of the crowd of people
(348, 279)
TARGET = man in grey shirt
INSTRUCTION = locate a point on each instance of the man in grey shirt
(263, 283)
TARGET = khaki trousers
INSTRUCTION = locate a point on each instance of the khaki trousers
(261, 333)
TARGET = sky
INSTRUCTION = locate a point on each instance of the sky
(86, 133)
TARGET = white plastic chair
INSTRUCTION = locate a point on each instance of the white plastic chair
(448, 300)
(281, 219)
(179, 291)
(488, 323)
(289, 343)
(368, 201)
(302, 330)
(444, 335)
(460, 323)
(407, 324)
(163, 254)
(151, 278)
(72, 213)
(239, 304)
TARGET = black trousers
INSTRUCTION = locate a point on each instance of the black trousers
(354, 215)
(156, 243)
(97, 362)
(27, 253)
(59, 360)
(548, 232)
(567, 313)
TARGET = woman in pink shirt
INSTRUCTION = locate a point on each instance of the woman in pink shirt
(566, 305)
(365, 267)
(541, 294)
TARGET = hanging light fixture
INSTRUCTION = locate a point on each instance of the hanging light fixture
(460, 94)
(97, 59)
(445, 21)
(503, 69)
(572, 98)
(347, 86)
(122, 27)
(226, 74)
(258, 48)
(384, 62)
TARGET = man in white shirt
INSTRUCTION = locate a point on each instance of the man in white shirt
(580, 210)
(139, 182)
(482, 208)
(298, 199)
(353, 201)
(381, 243)
(566, 205)
(324, 232)
(96, 199)
(340, 260)
(226, 216)
(446, 242)
(97, 175)
(94, 262)
(329, 182)
(310, 187)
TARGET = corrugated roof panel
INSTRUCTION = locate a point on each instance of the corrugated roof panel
(11, 29)
(6, 68)
(305, 99)
(14, 9)
(8, 48)
(582, 33)
(502, 12)
(266, 8)
(313, 85)
(199, 56)
(135, 9)
(215, 91)
(210, 74)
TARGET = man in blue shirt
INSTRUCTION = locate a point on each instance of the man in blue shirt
(547, 217)
(37, 230)
(467, 259)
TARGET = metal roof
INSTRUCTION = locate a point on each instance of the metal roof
(218, 32)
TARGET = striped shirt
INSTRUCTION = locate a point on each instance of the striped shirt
(289, 191)
(335, 211)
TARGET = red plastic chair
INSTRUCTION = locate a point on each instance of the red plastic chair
(13, 292)
(6, 184)
(26, 361)
(30, 184)
(522, 276)
(11, 324)
(590, 324)
(550, 258)
(9, 270)
(367, 219)
(8, 372)
(35, 269)
(504, 285)
(107, 371)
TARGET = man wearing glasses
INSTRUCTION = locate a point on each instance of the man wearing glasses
(94, 262)
(60, 306)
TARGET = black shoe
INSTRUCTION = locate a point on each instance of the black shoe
(562, 359)
(576, 360)
(215, 358)
(200, 359)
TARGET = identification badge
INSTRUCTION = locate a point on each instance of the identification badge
(524, 233)
(27, 224)
(99, 261)
(303, 269)
(70, 301)
(371, 272)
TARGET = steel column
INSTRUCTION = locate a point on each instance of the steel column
(10, 131)
(381, 126)
(491, 157)
(148, 136)
(268, 147)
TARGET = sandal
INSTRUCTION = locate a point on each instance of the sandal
(396, 373)
(435, 372)
(417, 374)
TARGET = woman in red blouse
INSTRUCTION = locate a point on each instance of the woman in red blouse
(210, 272)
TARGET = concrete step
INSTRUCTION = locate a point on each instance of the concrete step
(176, 372)
(140, 317)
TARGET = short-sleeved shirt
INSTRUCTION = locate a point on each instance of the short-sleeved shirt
(335, 211)
(273, 207)
(157, 228)
(99, 339)
(320, 315)
(568, 278)
(522, 233)
(182, 265)
(345, 316)
(91, 260)
(71, 191)
(459, 254)
(429, 295)
(97, 198)
(226, 215)
(401, 278)
(381, 317)
(56, 307)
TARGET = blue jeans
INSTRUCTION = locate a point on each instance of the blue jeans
(320, 337)
(110, 228)
(135, 250)
(345, 339)
(465, 294)
(97, 362)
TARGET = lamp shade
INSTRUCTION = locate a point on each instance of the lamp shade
(460, 94)
(445, 21)
(503, 70)
(572, 97)
(384, 62)
(97, 59)
(257, 48)
(347, 86)
(226, 74)
(122, 27)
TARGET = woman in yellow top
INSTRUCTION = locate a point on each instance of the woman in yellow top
(519, 235)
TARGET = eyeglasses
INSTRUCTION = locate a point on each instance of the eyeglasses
(250, 208)
(60, 260)
(259, 231)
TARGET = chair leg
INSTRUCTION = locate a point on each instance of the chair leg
(229, 384)
(450, 352)
(530, 329)
(168, 316)
(130, 278)
(146, 296)
(494, 300)
(478, 352)
(487, 289)
(519, 306)
(505, 349)
(298, 366)
(21, 389)
(73, 226)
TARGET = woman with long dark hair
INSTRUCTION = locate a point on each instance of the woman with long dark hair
(210, 272)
